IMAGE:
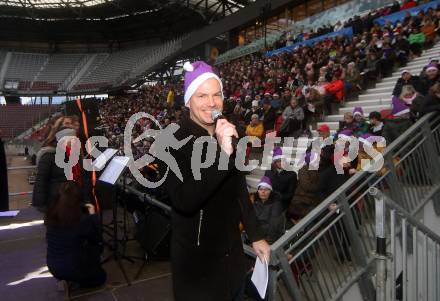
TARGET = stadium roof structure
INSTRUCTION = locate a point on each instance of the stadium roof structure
(52, 3)
(66, 9)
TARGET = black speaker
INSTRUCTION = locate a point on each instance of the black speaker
(153, 232)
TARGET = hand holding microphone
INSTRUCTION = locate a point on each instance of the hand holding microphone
(225, 132)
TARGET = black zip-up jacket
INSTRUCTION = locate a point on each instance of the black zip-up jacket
(207, 258)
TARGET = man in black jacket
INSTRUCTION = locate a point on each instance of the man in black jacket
(408, 79)
(207, 258)
(4, 197)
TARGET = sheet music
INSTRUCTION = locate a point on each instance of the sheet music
(114, 169)
(102, 159)
(260, 276)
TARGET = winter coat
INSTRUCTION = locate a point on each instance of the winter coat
(284, 182)
(257, 131)
(305, 197)
(269, 215)
(336, 88)
(48, 180)
(328, 181)
(417, 38)
(297, 113)
(361, 128)
(376, 130)
(394, 127)
(414, 81)
(431, 103)
(207, 258)
(269, 118)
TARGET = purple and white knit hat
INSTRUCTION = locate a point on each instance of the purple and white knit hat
(358, 111)
(431, 67)
(196, 73)
(277, 154)
(265, 182)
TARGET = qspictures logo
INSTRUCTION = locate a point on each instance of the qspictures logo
(346, 149)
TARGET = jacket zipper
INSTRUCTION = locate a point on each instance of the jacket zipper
(200, 227)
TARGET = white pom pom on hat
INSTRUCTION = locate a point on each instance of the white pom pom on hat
(188, 67)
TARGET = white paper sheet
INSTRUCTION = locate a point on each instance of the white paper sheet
(11, 213)
(102, 159)
(260, 277)
(114, 169)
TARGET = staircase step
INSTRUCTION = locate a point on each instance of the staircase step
(367, 109)
(381, 89)
(362, 103)
(389, 85)
(383, 95)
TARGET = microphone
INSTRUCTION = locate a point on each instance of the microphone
(216, 115)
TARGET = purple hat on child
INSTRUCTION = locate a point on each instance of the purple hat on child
(398, 107)
(277, 154)
(196, 73)
(358, 111)
(265, 182)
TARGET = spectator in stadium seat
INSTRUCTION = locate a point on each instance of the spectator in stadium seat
(432, 61)
(431, 103)
(268, 210)
(408, 79)
(412, 99)
(334, 92)
(255, 128)
(293, 116)
(416, 41)
(255, 109)
(276, 101)
(283, 181)
(352, 79)
(74, 239)
(269, 115)
(376, 124)
(305, 197)
(432, 77)
(361, 126)
(371, 69)
(347, 123)
(429, 29)
(402, 48)
(398, 122)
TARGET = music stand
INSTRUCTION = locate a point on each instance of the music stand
(97, 165)
(110, 176)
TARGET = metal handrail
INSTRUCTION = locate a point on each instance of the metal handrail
(393, 205)
(335, 196)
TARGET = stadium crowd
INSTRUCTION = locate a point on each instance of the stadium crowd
(288, 93)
